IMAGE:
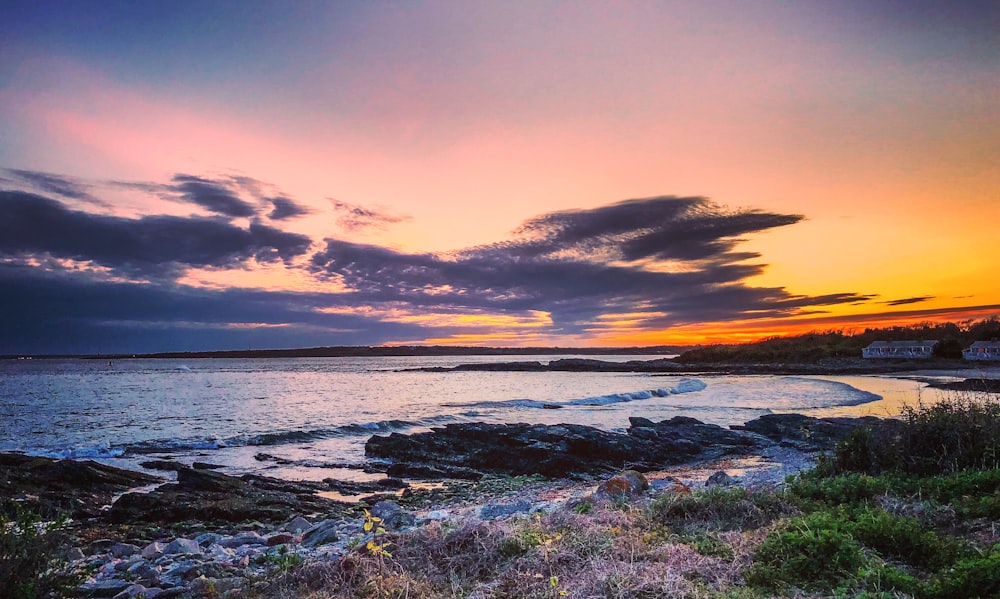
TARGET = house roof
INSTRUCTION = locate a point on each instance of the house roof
(927, 343)
(979, 344)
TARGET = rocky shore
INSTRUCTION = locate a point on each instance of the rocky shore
(827, 366)
(211, 534)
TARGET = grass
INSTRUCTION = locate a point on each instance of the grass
(877, 519)
(30, 560)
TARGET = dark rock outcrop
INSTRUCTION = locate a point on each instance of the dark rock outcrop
(467, 450)
(77, 488)
(805, 432)
(207, 495)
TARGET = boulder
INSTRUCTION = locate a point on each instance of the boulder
(624, 485)
(392, 515)
(182, 547)
(806, 433)
(720, 479)
(321, 534)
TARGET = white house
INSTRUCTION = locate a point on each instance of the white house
(899, 349)
(982, 350)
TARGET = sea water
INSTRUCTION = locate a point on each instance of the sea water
(309, 418)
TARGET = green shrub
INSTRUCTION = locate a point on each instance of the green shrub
(29, 550)
(968, 578)
(851, 488)
(903, 539)
(807, 557)
(961, 432)
(717, 509)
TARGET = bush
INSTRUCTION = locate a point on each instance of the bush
(717, 509)
(961, 432)
(29, 553)
(977, 576)
(805, 556)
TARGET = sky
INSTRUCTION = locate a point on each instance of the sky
(180, 176)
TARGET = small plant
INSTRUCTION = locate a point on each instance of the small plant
(29, 560)
(284, 560)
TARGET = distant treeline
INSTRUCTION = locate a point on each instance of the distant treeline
(953, 337)
(360, 351)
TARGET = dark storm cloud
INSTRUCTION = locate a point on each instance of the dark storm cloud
(285, 208)
(661, 228)
(46, 312)
(665, 255)
(909, 300)
(65, 187)
(151, 245)
(352, 217)
(213, 196)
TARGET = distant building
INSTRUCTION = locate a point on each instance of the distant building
(899, 349)
(982, 350)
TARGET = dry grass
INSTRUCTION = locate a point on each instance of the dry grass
(613, 551)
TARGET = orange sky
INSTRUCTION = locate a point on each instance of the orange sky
(453, 124)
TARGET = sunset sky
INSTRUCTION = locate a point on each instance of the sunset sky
(222, 175)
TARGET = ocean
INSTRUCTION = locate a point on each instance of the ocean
(309, 418)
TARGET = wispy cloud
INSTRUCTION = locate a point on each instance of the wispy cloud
(669, 259)
(352, 217)
(59, 185)
(151, 246)
(909, 300)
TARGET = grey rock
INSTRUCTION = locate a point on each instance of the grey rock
(144, 572)
(133, 591)
(207, 538)
(121, 550)
(721, 479)
(491, 511)
(321, 534)
(437, 515)
(153, 550)
(243, 538)
(182, 547)
(74, 554)
(297, 525)
(392, 514)
(103, 588)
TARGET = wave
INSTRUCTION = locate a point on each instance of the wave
(264, 439)
(682, 386)
(102, 451)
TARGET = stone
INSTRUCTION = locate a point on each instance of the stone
(392, 515)
(74, 554)
(182, 547)
(321, 534)
(144, 572)
(243, 538)
(153, 550)
(134, 590)
(624, 485)
(281, 538)
(103, 588)
(297, 525)
(720, 479)
(207, 538)
(436, 515)
(206, 466)
(122, 550)
(492, 511)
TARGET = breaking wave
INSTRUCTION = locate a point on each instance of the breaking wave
(682, 386)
